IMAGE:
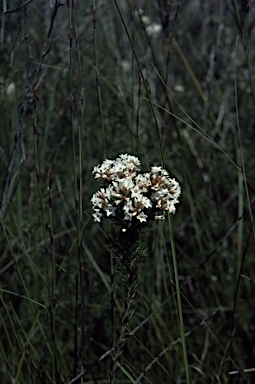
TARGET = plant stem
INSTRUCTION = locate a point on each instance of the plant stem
(178, 293)
(123, 335)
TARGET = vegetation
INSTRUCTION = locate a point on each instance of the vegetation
(172, 83)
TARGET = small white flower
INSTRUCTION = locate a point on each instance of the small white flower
(154, 29)
(130, 159)
(127, 208)
(171, 206)
(142, 217)
(159, 170)
(109, 192)
(127, 183)
(174, 188)
(159, 194)
(99, 199)
(144, 201)
(156, 169)
(97, 216)
(179, 88)
(110, 210)
(145, 20)
(143, 181)
(121, 190)
(135, 207)
(107, 164)
(136, 192)
(118, 166)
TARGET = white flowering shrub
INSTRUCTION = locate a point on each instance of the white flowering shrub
(129, 195)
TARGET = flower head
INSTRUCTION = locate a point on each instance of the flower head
(132, 196)
(124, 166)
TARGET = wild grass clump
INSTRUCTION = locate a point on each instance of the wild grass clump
(172, 84)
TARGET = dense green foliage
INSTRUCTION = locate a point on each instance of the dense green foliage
(174, 84)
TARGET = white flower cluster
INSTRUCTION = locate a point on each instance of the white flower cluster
(130, 195)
